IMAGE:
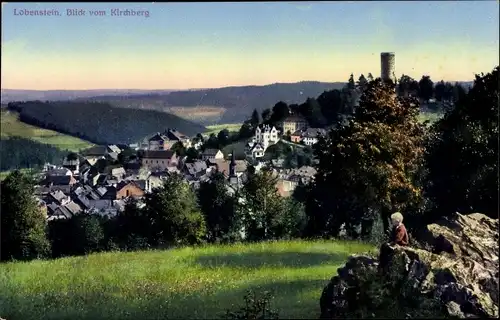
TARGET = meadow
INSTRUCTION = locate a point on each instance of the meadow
(185, 283)
(216, 128)
(11, 126)
(201, 114)
(429, 116)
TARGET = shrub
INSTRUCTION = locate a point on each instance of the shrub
(256, 307)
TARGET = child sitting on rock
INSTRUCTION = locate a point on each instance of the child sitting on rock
(399, 235)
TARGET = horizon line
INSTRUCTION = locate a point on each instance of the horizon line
(211, 88)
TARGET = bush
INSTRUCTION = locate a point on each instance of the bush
(256, 307)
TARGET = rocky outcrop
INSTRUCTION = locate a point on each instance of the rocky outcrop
(456, 276)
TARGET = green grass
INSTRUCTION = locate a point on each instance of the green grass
(186, 283)
(431, 116)
(11, 126)
(232, 127)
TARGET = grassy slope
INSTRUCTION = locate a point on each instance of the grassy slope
(216, 128)
(431, 116)
(11, 126)
(182, 283)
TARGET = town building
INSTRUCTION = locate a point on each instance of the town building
(308, 137)
(165, 140)
(265, 136)
(293, 123)
(212, 154)
(158, 160)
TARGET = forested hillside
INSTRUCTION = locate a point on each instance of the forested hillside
(25, 153)
(238, 101)
(100, 123)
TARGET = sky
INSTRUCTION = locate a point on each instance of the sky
(208, 45)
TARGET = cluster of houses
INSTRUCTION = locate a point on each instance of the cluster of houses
(100, 180)
(294, 126)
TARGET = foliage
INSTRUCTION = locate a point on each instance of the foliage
(100, 123)
(426, 90)
(262, 205)
(26, 153)
(219, 210)
(178, 148)
(462, 153)
(174, 215)
(22, 221)
(369, 166)
(255, 118)
(79, 235)
(255, 308)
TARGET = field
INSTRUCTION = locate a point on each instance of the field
(11, 126)
(430, 116)
(201, 114)
(216, 128)
(183, 283)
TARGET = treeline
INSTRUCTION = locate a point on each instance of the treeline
(20, 153)
(99, 122)
(173, 215)
(379, 161)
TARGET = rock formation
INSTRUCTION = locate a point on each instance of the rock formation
(455, 276)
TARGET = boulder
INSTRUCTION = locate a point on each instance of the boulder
(455, 276)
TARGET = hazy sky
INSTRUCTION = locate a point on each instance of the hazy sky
(199, 45)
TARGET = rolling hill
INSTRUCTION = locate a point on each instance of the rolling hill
(237, 103)
(185, 283)
(11, 126)
(10, 95)
(100, 123)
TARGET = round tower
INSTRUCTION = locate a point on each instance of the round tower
(387, 66)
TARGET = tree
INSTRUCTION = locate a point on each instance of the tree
(219, 210)
(192, 154)
(407, 86)
(223, 138)
(72, 156)
(439, 90)
(458, 92)
(246, 130)
(266, 115)
(174, 214)
(280, 112)
(178, 148)
(370, 166)
(290, 221)
(426, 88)
(262, 204)
(331, 105)
(23, 223)
(212, 142)
(311, 110)
(351, 85)
(462, 153)
(362, 83)
(79, 235)
(255, 119)
(370, 77)
(199, 138)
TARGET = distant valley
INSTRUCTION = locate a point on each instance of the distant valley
(203, 106)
